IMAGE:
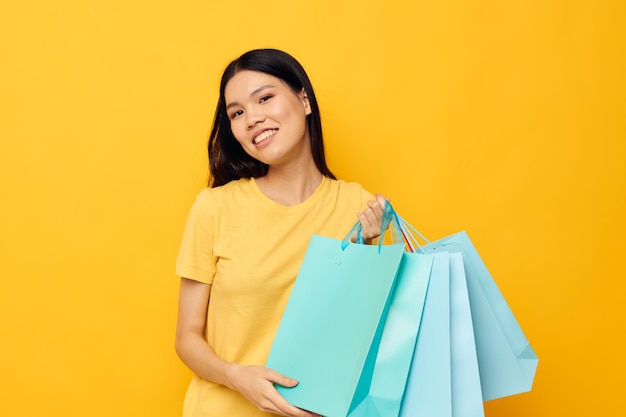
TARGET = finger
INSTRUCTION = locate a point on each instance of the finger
(280, 379)
(374, 211)
(369, 225)
(299, 412)
(277, 404)
(375, 215)
(365, 217)
(381, 199)
(282, 407)
(377, 207)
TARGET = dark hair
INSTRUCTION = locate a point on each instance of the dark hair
(227, 159)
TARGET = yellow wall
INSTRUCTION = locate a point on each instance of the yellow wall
(504, 118)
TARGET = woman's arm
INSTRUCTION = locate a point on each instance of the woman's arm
(191, 347)
(256, 383)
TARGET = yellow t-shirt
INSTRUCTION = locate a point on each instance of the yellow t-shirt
(250, 249)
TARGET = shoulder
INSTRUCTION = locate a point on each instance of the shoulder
(349, 195)
(352, 189)
(219, 195)
(210, 203)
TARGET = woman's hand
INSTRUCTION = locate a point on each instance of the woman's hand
(256, 383)
(372, 218)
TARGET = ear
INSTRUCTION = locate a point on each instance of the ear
(305, 101)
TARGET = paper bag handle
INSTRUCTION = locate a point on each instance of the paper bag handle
(401, 231)
(408, 233)
(390, 222)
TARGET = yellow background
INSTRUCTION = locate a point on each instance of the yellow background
(503, 118)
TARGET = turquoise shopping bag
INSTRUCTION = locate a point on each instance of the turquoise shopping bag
(506, 361)
(428, 391)
(444, 379)
(467, 399)
(382, 383)
(332, 322)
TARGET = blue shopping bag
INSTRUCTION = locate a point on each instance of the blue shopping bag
(467, 400)
(382, 383)
(332, 320)
(428, 391)
(444, 379)
(506, 361)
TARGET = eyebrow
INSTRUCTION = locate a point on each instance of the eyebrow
(252, 94)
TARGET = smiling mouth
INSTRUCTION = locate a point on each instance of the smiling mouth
(265, 135)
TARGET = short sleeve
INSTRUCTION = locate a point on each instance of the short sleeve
(365, 197)
(195, 257)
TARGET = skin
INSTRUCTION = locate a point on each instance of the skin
(258, 103)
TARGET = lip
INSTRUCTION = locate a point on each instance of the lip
(260, 132)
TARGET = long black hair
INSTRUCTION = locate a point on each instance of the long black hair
(227, 159)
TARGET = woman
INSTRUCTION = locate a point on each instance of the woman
(246, 234)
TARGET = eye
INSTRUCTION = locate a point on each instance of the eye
(265, 98)
(236, 113)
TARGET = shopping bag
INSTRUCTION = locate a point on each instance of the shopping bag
(381, 386)
(467, 400)
(329, 326)
(428, 391)
(444, 379)
(506, 361)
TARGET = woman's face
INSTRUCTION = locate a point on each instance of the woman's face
(267, 118)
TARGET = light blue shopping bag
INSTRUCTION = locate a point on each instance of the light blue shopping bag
(506, 361)
(467, 399)
(382, 383)
(428, 390)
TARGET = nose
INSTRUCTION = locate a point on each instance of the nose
(254, 116)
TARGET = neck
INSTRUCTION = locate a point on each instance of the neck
(290, 186)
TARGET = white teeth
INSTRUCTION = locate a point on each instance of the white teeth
(264, 135)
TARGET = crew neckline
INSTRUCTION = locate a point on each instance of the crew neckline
(306, 204)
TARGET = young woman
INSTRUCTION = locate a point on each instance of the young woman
(247, 233)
